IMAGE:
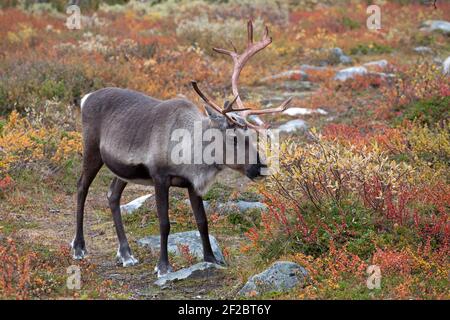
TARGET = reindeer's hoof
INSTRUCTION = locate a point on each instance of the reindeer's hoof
(126, 258)
(79, 254)
(128, 261)
(163, 269)
(79, 250)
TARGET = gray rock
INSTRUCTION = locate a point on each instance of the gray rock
(276, 98)
(345, 60)
(287, 74)
(438, 60)
(294, 85)
(189, 238)
(241, 206)
(436, 25)
(310, 67)
(282, 276)
(293, 126)
(378, 63)
(295, 111)
(200, 270)
(338, 56)
(233, 206)
(423, 50)
(206, 204)
(446, 66)
(134, 205)
(349, 73)
(382, 75)
(337, 52)
(256, 119)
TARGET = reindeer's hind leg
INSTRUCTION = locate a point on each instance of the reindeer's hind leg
(123, 252)
(92, 162)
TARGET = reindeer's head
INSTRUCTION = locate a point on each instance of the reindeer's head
(227, 118)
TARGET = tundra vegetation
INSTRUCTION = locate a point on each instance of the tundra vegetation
(367, 184)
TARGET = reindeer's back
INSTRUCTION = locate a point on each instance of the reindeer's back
(128, 125)
(116, 107)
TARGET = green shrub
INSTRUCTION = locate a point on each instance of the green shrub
(373, 48)
(245, 221)
(218, 192)
(427, 112)
(350, 24)
(31, 84)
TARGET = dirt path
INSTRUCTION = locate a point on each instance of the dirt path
(54, 227)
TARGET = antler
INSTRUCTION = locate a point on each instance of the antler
(239, 62)
(228, 106)
(241, 59)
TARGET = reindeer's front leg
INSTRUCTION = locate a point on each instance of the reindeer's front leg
(202, 224)
(162, 206)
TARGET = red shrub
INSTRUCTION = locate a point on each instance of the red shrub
(6, 183)
(392, 262)
(15, 272)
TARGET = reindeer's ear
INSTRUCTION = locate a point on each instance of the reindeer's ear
(211, 112)
(218, 119)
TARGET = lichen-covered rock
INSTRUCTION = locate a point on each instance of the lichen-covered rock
(240, 206)
(446, 66)
(290, 87)
(338, 56)
(293, 126)
(191, 239)
(134, 205)
(423, 50)
(296, 111)
(202, 270)
(349, 73)
(378, 63)
(436, 25)
(311, 67)
(289, 74)
(282, 276)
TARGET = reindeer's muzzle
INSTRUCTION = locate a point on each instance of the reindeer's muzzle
(254, 171)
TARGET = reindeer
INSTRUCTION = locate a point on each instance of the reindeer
(129, 132)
